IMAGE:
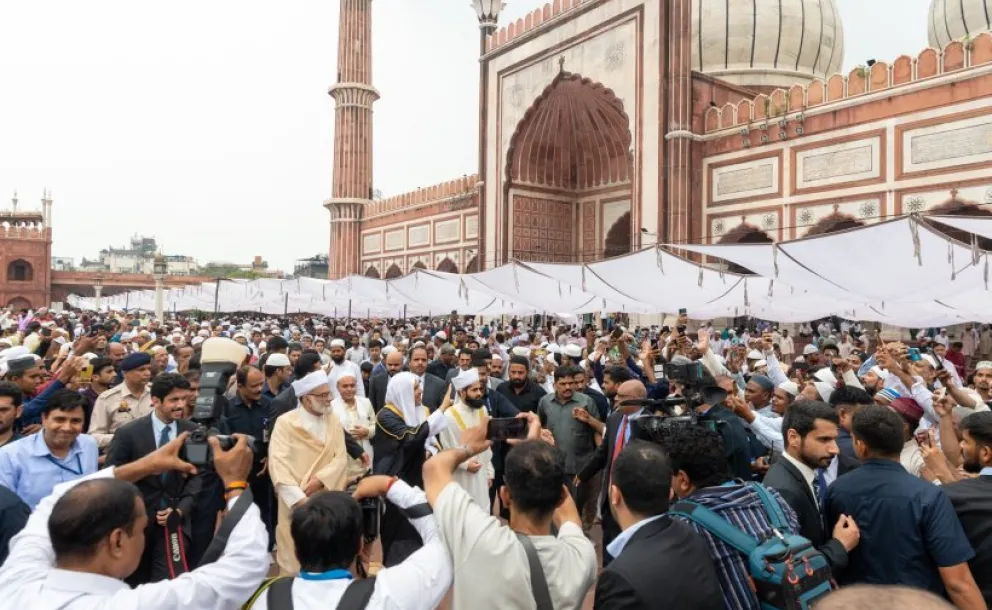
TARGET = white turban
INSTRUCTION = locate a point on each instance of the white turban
(311, 382)
(337, 343)
(465, 379)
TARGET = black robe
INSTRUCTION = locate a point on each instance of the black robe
(399, 451)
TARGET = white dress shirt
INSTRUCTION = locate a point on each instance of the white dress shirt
(616, 547)
(30, 580)
(421, 581)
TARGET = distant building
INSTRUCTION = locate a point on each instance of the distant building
(139, 258)
(63, 263)
(255, 269)
(315, 267)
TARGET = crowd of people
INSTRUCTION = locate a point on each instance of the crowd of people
(683, 467)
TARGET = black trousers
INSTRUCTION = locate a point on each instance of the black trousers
(265, 499)
(504, 511)
(399, 538)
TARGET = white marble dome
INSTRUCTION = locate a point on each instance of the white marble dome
(951, 20)
(767, 43)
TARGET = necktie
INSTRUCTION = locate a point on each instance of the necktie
(820, 487)
(619, 444)
(163, 439)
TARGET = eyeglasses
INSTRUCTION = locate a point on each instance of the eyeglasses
(323, 396)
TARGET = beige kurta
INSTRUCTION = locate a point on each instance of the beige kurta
(460, 416)
(294, 456)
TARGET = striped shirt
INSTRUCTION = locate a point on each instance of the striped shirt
(743, 509)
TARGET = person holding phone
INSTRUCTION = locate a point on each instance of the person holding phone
(477, 474)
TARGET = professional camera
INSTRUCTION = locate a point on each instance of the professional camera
(219, 359)
(698, 389)
(371, 509)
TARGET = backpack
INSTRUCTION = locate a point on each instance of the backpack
(279, 594)
(787, 573)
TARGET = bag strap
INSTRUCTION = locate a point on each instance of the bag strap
(357, 595)
(716, 525)
(538, 582)
(280, 594)
(772, 508)
(217, 545)
(263, 588)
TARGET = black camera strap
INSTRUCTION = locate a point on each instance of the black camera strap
(219, 543)
(417, 511)
(175, 545)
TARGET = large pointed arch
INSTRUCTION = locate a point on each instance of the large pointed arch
(744, 233)
(576, 135)
(618, 238)
(574, 138)
(834, 223)
(372, 272)
(419, 265)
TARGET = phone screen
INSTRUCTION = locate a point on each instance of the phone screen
(503, 428)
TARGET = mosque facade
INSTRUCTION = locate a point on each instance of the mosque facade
(611, 125)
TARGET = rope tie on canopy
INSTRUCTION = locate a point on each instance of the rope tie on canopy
(700, 281)
(583, 278)
(516, 279)
(976, 254)
(914, 230)
(660, 259)
(747, 301)
(986, 271)
(775, 259)
(771, 288)
(950, 259)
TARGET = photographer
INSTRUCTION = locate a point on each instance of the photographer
(85, 538)
(328, 535)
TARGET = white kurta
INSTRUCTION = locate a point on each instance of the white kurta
(460, 417)
(337, 369)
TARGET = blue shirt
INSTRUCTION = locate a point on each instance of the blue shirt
(908, 527)
(28, 468)
(158, 426)
(616, 547)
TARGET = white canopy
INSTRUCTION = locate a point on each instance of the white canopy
(902, 272)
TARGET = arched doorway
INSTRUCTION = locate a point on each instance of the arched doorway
(447, 266)
(575, 138)
(618, 237)
(393, 272)
(18, 303)
(372, 272)
(473, 265)
(20, 271)
(955, 206)
(834, 223)
(419, 265)
(744, 233)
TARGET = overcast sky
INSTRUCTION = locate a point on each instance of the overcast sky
(208, 126)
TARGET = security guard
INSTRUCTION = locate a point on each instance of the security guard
(125, 402)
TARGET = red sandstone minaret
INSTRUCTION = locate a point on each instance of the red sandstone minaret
(353, 97)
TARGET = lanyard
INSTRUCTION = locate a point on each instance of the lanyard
(329, 575)
(79, 465)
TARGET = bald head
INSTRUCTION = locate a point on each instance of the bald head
(630, 390)
(877, 597)
(394, 363)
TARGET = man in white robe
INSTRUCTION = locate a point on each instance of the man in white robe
(476, 475)
(339, 366)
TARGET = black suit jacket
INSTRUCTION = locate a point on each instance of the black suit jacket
(972, 501)
(433, 391)
(602, 459)
(635, 581)
(377, 390)
(786, 479)
(846, 464)
(136, 439)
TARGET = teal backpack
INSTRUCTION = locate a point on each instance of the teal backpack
(787, 573)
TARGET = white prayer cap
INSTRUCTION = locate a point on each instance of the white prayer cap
(157, 349)
(345, 375)
(465, 379)
(14, 352)
(826, 376)
(311, 382)
(760, 364)
(126, 336)
(520, 351)
(196, 341)
(261, 345)
(790, 387)
(497, 356)
(443, 336)
(337, 343)
(203, 333)
(984, 364)
(204, 324)
(754, 355)
(240, 334)
(572, 351)
(389, 349)
(809, 349)
(277, 360)
(883, 374)
(930, 360)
